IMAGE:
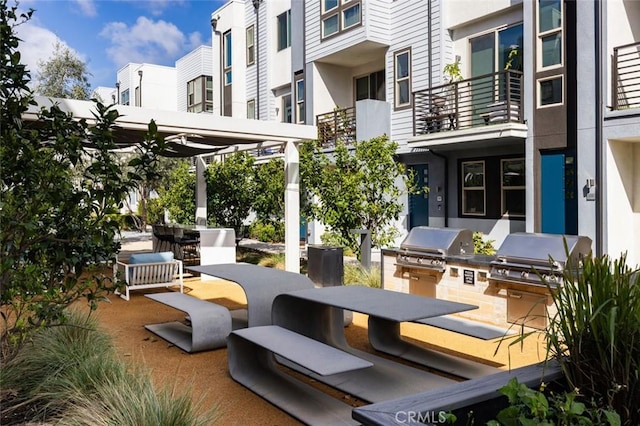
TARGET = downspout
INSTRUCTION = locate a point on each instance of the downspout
(446, 186)
(599, 131)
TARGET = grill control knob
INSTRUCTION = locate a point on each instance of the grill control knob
(524, 275)
(553, 278)
(419, 260)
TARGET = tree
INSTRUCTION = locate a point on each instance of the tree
(55, 227)
(355, 188)
(269, 200)
(179, 197)
(63, 75)
(230, 191)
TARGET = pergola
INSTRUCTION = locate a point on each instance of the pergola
(195, 135)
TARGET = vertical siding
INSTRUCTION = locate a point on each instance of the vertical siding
(196, 63)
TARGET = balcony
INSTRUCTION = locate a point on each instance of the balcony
(477, 102)
(626, 77)
(340, 124)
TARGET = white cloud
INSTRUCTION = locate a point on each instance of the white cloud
(38, 44)
(87, 7)
(148, 41)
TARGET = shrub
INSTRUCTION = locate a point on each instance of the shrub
(71, 374)
(482, 246)
(268, 232)
(354, 273)
(333, 239)
(155, 211)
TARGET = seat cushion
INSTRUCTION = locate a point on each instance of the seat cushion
(165, 256)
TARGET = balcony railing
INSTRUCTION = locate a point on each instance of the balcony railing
(626, 76)
(479, 101)
(340, 124)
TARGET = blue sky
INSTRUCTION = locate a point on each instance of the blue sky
(107, 34)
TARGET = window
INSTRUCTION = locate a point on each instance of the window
(286, 109)
(550, 33)
(300, 113)
(251, 52)
(550, 91)
(200, 94)
(473, 188)
(512, 178)
(124, 97)
(402, 79)
(284, 30)
(371, 86)
(340, 15)
(227, 58)
(251, 109)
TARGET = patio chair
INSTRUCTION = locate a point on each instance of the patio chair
(149, 270)
(186, 247)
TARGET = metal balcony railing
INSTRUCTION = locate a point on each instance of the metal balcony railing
(626, 76)
(479, 101)
(340, 124)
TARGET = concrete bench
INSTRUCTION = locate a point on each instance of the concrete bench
(466, 327)
(210, 323)
(251, 363)
(149, 270)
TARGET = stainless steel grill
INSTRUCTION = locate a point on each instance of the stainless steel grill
(528, 258)
(427, 248)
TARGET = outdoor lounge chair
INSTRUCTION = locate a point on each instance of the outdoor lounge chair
(150, 270)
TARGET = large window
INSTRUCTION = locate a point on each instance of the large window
(284, 30)
(402, 78)
(200, 94)
(473, 188)
(550, 33)
(512, 179)
(339, 15)
(227, 58)
(251, 51)
(300, 113)
(371, 86)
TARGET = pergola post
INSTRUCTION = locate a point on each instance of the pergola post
(292, 207)
(201, 191)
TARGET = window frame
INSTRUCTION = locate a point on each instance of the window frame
(339, 12)
(125, 98)
(227, 58)
(202, 86)
(250, 45)
(368, 77)
(504, 188)
(300, 117)
(287, 21)
(251, 106)
(482, 188)
(287, 110)
(539, 90)
(546, 33)
(396, 81)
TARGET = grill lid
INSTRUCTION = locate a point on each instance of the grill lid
(537, 249)
(446, 241)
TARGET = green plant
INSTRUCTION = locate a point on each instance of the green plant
(332, 239)
(268, 203)
(72, 374)
(535, 407)
(155, 210)
(482, 246)
(356, 188)
(57, 197)
(267, 231)
(452, 71)
(179, 197)
(274, 260)
(355, 274)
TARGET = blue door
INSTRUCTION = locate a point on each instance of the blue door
(558, 194)
(419, 203)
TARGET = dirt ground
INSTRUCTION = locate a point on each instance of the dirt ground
(205, 375)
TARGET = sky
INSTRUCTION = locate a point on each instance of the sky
(108, 34)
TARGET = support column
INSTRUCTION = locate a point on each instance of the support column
(201, 192)
(292, 207)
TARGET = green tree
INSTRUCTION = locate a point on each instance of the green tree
(230, 191)
(269, 200)
(55, 226)
(356, 188)
(179, 197)
(63, 75)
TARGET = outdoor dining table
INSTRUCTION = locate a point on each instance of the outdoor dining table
(317, 313)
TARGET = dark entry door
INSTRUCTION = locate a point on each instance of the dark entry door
(419, 203)
(558, 187)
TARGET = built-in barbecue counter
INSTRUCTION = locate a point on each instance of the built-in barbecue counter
(438, 262)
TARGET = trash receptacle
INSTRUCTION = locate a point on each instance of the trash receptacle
(324, 265)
